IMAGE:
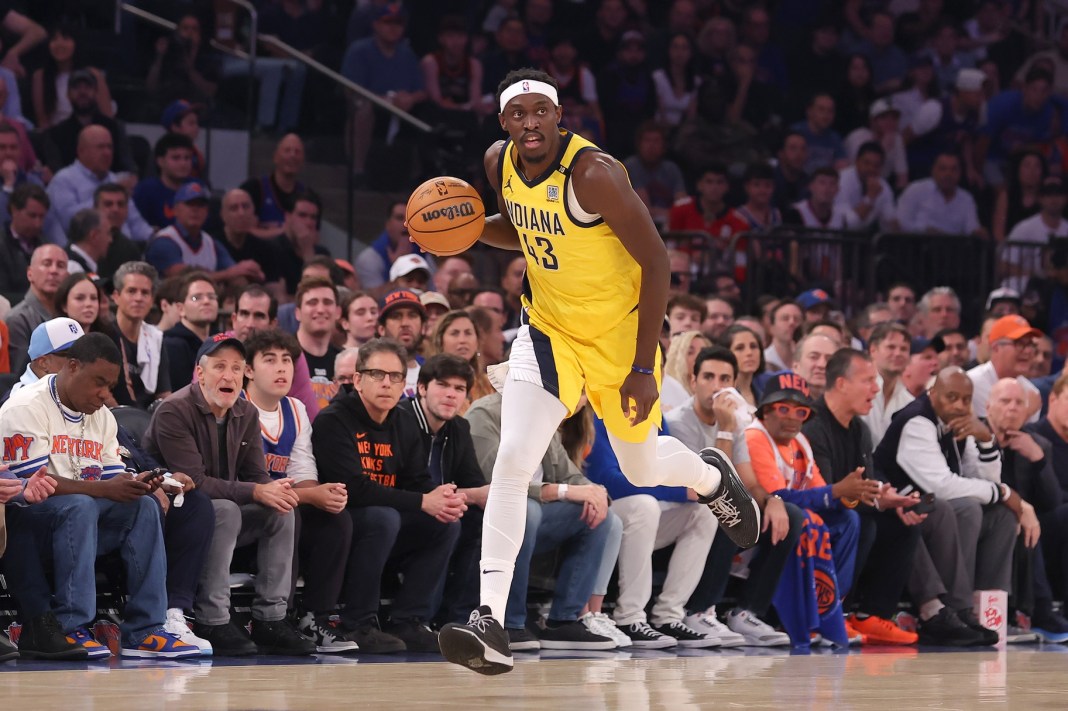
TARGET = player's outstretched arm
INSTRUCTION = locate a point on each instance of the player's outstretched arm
(499, 231)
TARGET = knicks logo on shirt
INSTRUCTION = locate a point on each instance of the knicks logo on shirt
(277, 465)
(62, 444)
(17, 448)
(91, 473)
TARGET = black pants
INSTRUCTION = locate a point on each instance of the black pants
(764, 570)
(187, 534)
(888, 547)
(462, 579)
(1054, 544)
(419, 547)
(323, 543)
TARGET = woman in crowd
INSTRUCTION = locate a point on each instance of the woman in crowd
(676, 82)
(456, 334)
(49, 83)
(1018, 199)
(744, 343)
(678, 367)
(79, 298)
(854, 100)
(359, 318)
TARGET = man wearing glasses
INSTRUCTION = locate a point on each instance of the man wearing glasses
(363, 441)
(1012, 348)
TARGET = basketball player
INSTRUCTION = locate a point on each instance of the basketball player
(594, 300)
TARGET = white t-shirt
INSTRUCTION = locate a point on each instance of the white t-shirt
(851, 193)
(896, 162)
(983, 378)
(39, 431)
(672, 394)
(685, 426)
(882, 410)
(1027, 261)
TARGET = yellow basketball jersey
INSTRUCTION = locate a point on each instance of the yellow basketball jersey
(581, 282)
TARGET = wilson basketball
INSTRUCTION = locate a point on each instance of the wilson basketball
(445, 216)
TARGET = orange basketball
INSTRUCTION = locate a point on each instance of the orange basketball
(445, 216)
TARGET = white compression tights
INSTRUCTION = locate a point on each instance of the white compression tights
(529, 418)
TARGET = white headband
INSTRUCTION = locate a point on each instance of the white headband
(529, 86)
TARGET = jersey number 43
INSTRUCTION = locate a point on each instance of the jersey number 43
(542, 251)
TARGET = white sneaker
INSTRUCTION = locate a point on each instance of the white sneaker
(756, 632)
(602, 624)
(708, 624)
(177, 625)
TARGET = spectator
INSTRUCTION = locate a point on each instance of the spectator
(746, 345)
(1012, 347)
(185, 245)
(939, 308)
(936, 445)
(821, 210)
(601, 44)
(919, 91)
(154, 196)
(564, 510)
(1022, 263)
(198, 310)
(90, 238)
(359, 319)
(821, 60)
(318, 314)
(402, 317)
(410, 271)
(452, 77)
(146, 373)
(183, 68)
(512, 280)
(627, 94)
(756, 32)
(1042, 363)
(825, 146)
(74, 187)
(709, 212)
(1057, 56)
(13, 173)
(363, 441)
(856, 97)
(29, 34)
(509, 52)
(947, 55)
(938, 204)
(657, 180)
(385, 65)
(791, 180)
(436, 305)
(884, 130)
(113, 202)
(374, 261)
(47, 269)
(785, 318)
(200, 431)
(444, 384)
(678, 366)
(954, 347)
(889, 63)
(813, 353)
(864, 190)
(90, 489)
(889, 350)
(51, 105)
(872, 315)
(758, 211)
(685, 313)
(949, 124)
(299, 242)
(79, 297)
(345, 368)
(491, 300)
(1018, 199)
(490, 340)
(49, 349)
(902, 301)
(719, 317)
(923, 364)
(841, 445)
(677, 82)
(325, 530)
(784, 464)
(457, 334)
(28, 207)
(182, 117)
(578, 88)
(1015, 119)
(238, 222)
(61, 140)
(273, 194)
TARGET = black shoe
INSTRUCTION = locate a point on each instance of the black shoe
(227, 639)
(574, 635)
(417, 637)
(687, 636)
(480, 645)
(946, 630)
(41, 638)
(737, 511)
(522, 640)
(373, 640)
(990, 637)
(642, 636)
(8, 651)
(281, 638)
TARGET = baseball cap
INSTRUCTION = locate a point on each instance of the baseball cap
(632, 36)
(220, 340)
(1002, 294)
(82, 76)
(812, 298)
(882, 106)
(398, 298)
(54, 336)
(786, 386)
(406, 264)
(392, 11)
(345, 266)
(189, 192)
(920, 344)
(437, 299)
(1052, 185)
(970, 80)
(175, 111)
(1012, 327)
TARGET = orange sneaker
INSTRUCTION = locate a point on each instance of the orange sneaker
(856, 637)
(878, 630)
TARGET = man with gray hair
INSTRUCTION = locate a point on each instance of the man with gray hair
(939, 308)
(89, 241)
(145, 375)
(48, 268)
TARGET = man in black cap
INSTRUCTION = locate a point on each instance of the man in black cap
(61, 141)
(401, 316)
(209, 432)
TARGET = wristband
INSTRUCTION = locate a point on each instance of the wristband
(1006, 492)
(725, 435)
(643, 371)
(849, 503)
(561, 492)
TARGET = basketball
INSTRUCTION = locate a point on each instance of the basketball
(445, 216)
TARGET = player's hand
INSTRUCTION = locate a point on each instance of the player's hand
(637, 396)
(277, 495)
(776, 518)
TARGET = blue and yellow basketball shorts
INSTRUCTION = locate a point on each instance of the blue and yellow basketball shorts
(564, 367)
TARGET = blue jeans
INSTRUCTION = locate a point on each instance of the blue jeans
(550, 526)
(77, 529)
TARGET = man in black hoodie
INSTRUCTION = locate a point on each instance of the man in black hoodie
(444, 381)
(363, 440)
(198, 306)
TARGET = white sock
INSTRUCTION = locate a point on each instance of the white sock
(930, 608)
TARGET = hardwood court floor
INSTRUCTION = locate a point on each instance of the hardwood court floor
(858, 681)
